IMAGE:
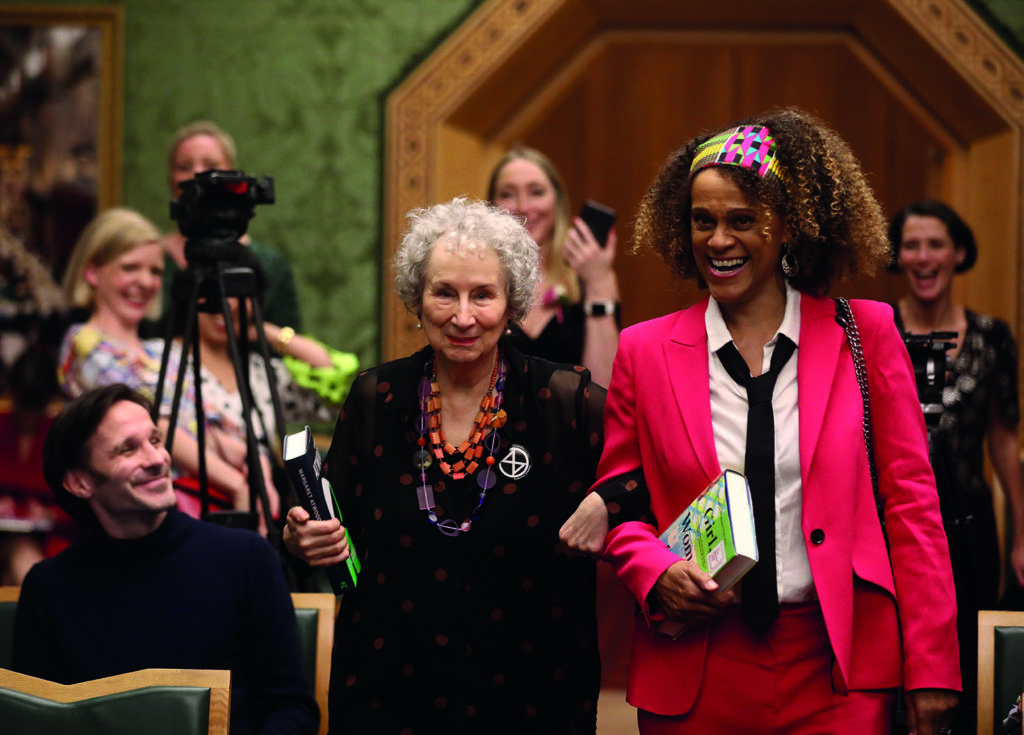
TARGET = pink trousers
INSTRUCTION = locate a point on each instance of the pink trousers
(777, 682)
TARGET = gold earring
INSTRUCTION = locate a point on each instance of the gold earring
(790, 265)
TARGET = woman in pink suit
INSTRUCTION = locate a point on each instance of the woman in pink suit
(768, 215)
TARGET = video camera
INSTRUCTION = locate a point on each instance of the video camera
(929, 355)
(214, 209)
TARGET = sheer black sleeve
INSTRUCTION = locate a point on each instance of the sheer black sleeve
(1004, 390)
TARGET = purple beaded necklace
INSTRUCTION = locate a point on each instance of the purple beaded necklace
(483, 436)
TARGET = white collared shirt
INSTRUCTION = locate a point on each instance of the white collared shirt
(729, 422)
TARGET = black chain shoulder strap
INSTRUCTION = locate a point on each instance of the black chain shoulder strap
(845, 319)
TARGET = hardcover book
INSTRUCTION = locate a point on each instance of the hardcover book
(302, 461)
(716, 531)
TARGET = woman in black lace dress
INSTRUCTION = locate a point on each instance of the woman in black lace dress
(980, 404)
(469, 617)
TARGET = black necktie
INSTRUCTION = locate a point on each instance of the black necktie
(760, 604)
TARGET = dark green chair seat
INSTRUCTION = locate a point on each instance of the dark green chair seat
(153, 701)
(314, 613)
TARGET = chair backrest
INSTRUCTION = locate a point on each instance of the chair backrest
(153, 701)
(1000, 666)
(8, 607)
(314, 612)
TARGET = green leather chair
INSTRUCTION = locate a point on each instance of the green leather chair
(314, 613)
(152, 701)
(8, 606)
(1000, 667)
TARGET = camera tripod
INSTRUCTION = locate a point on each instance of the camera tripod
(206, 285)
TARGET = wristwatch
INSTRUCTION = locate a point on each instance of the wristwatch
(605, 307)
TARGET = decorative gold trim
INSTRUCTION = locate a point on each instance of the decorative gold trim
(956, 32)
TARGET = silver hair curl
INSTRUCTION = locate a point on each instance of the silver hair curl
(468, 223)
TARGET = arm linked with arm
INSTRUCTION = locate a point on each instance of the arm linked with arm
(609, 503)
(632, 547)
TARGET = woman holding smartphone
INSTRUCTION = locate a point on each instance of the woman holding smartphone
(576, 314)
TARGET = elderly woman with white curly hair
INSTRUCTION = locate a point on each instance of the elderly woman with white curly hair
(454, 469)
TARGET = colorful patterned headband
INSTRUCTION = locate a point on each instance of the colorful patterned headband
(747, 146)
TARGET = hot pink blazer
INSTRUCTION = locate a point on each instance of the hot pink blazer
(658, 417)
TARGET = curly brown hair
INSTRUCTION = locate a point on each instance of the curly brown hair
(837, 226)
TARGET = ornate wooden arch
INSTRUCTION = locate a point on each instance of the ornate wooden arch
(937, 107)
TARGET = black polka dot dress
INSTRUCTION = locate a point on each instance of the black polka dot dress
(491, 630)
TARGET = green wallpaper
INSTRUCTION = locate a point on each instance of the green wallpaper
(301, 85)
(1006, 17)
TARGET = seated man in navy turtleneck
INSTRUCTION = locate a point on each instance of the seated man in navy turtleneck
(149, 587)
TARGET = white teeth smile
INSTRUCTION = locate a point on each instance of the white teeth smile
(727, 264)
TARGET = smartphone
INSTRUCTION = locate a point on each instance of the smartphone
(599, 219)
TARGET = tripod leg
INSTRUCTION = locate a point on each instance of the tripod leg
(197, 378)
(275, 396)
(190, 321)
(275, 399)
(257, 483)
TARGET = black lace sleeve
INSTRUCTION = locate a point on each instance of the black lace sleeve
(627, 496)
(349, 448)
(1004, 391)
(574, 406)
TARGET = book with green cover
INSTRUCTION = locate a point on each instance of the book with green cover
(716, 531)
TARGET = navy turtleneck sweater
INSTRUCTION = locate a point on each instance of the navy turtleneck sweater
(190, 595)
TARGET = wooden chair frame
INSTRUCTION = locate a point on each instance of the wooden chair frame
(326, 606)
(8, 601)
(218, 682)
(988, 621)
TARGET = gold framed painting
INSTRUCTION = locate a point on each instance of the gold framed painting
(61, 80)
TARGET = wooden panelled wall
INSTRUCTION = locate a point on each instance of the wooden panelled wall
(609, 90)
(641, 99)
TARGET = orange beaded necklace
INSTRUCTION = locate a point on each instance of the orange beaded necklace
(471, 449)
(467, 455)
